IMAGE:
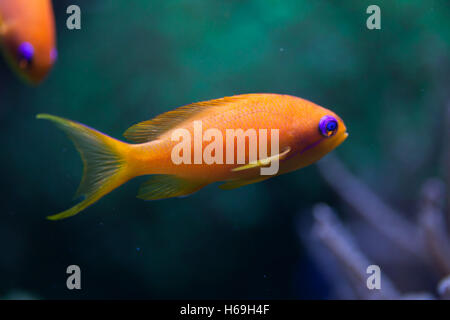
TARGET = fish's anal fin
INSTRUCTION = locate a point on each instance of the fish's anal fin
(151, 129)
(233, 184)
(263, 162)
(168, 186)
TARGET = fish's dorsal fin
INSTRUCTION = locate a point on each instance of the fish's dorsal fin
(263, 162)
(151, 129)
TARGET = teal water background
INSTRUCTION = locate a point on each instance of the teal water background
(133, 60)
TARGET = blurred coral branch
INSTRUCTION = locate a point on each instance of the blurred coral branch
(446, 157)
(444, 288)
(371, 208)
(424, 242)
(340, 243)
(432, 222)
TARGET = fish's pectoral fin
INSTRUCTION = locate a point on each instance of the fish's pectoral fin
(168, 186)
(233, 184)
(263, 162)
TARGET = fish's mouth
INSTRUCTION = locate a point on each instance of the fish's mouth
(342, 137)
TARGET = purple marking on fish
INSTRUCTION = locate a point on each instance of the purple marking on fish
(312, 145)
(26, 51)
(53, 54)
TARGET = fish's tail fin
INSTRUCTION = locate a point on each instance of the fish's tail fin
(104, 159)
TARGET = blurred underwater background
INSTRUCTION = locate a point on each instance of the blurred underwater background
(133, 60)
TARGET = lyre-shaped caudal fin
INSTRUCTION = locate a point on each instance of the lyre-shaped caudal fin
(104, 159)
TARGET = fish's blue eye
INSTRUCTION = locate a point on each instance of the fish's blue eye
(26, 52)
(331, 126)
(328, 126)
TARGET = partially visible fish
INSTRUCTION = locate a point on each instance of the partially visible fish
(27, 36)
(306, 132)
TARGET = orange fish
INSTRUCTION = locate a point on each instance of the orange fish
(185, 149)
(27, 35)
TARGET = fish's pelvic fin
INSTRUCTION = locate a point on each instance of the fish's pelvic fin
(263, 162)
(168, 186)
(151, 129)
(233, 184)
(105, 167)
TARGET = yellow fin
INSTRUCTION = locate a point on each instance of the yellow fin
(167, 186)
(263, 162)
(105, 167)
(233, 184)
(151, 129)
